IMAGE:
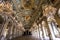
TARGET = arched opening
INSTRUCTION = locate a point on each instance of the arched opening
(27, 32)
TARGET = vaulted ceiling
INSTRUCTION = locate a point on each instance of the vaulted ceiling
(29, 11)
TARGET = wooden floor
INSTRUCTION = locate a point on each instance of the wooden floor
(25, 38)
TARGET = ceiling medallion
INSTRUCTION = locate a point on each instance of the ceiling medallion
(27, 18)
(27, 4)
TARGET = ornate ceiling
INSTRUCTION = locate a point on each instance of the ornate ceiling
(30, 11)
